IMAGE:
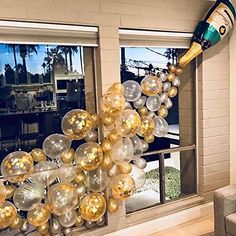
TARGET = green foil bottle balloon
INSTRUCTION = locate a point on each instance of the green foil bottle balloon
(216, 25)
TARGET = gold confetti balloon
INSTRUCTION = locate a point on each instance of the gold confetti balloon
(123, 187)
(68, 156)
(3, 194)
(128, 123)
(93, 207)
(10, 189)
(17, 223)
(76, 124)
(62, 198)
(38, 155)
(151, 85)
(8, 214)
(172, 92)
(112, 205)
(117, 87)
(39, 215)
(88, 156)
(17, 166)
(112, 103)
(147, 126)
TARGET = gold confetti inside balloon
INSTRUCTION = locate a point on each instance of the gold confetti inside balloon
(68, 157)
(147, 126)
(76, 124)
(17, 166)
(88, 156)
(38, 155)
(128, 123)
(108, 120)
(39, 215)
(8, 214)
(3, 194)
(112, 205)
(123, 187)
(92, 207)
(151, 85)
(17, 223)
(10, 189)
(117, 87)
(112, 103)
(172, 92)
(163, 111)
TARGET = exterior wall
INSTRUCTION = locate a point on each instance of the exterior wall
(179, 15)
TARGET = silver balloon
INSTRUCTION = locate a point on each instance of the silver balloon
(162, 76)
(89, 225)
(114, 171)
(140, 163)
(128, 105)
(145, 145)
(139, 176)
(67, 172)
(25, 226)
(176, 82)
(45, 172)
(163, 97)
(138, 104)
(68, 219)
(161, 127)
(168, 103)
(97, 180)
(92, 136)
(55, 226)
(166, 86)
(68, 231)
(132, 90)
(137, 147)
(101, 221)
(81, 189)
(153, 103)
(54, 145)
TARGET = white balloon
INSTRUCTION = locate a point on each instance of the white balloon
(132, 90)
(138, 104)
(137, 147)
(138, 175)
(176, 82)
(163, 76)
(153, 103)
(168, 103)
(161, 127)
(166, 86)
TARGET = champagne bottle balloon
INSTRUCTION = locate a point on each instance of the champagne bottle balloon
(216, 25)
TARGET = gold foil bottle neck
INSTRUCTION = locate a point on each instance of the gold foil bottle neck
(192, 53)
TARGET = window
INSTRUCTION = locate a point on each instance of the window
(171, 160)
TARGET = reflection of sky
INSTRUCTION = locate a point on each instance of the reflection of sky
(33, 62)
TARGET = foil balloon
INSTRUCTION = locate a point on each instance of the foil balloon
(123, 187)
(112, 103)
(112, 205)
(128, 123)
(3, 194)
(45, 172)
(28, 195)
(138, 104)
(25, 226)
(93, 207)
(132, 90)
(67, 172)
(55, 144)
(161, 127)
(68, 219)
(39, 215)
(138, 176)
(137, 147)
(153, 103)
(88, 156)
(147, 126)
(38, 155)
(8, 214)
(62, 198)
(122, 151)
(151, 85)
(68, 157)
(171, 77)
(149, 138)
(96, 120)
(97, 180)
(17, 166)
(76, 124)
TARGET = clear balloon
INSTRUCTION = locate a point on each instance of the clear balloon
(45, 172)
(163, 97)
(161, 127)
(140, 163)
(117, 87)
(176, 82)
(123, 187)
(38, 155)
(137, 147)
(128, 123)
(81, 189)
(112, 103)
(132, 90)
(168, 103)
(25, 226)
(54, 145)
(67, 172)
(17, 166)
(76, 124)
(55, 227)
(43, 229)
(145, 145)
(113, 171)
(8, 214)
(128, 105)
(93, 207)
(151, 85)
(166, 86)
(123, 151)
(138, 104)
(62, 198)
(162, 76)
(92, 136)
(138, 176)
(146, 127)
(101, 221)
(39, 215)
(28, 195)
(153, 103)
(97, 180)
(68, 219)
(88, 156)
